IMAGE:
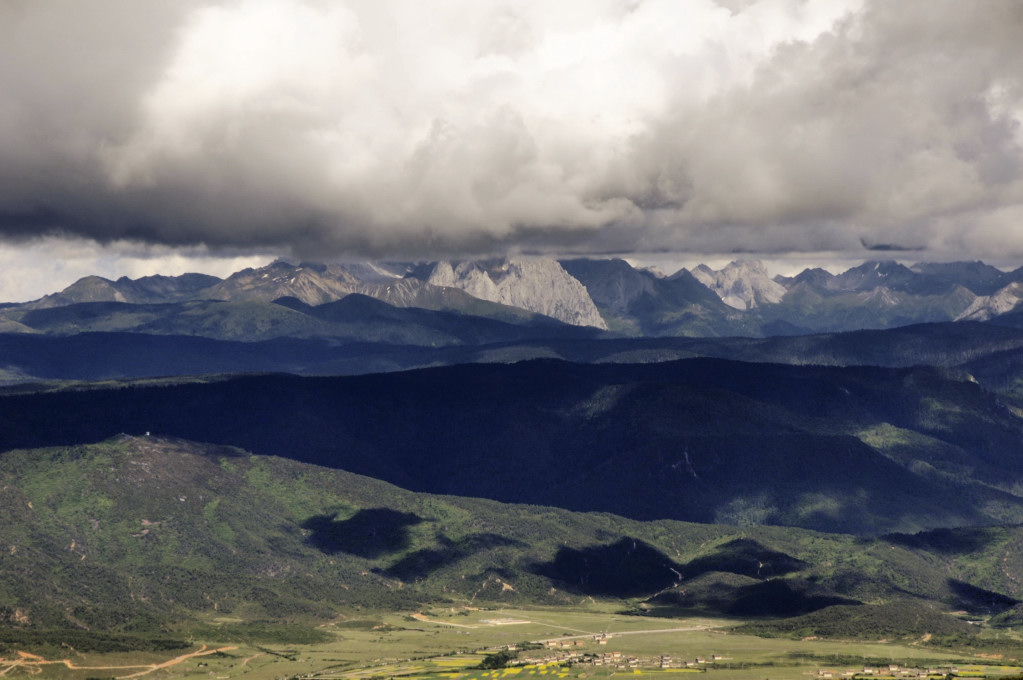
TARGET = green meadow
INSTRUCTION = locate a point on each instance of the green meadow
(451, 644)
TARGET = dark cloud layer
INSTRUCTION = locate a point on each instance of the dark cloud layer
(393, 128)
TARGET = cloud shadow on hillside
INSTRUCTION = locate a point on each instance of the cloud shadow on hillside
(746, 557)
(369, 533)
(421, 563)
(627, 568)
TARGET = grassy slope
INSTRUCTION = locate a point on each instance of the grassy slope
(135, 532)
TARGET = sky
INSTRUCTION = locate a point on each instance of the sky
(187, 135)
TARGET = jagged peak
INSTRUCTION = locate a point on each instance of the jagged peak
(742, 284)
(536, 284)
(969, 265)
(880, 267)
(90, 280)
(988, 306)
(755, 266)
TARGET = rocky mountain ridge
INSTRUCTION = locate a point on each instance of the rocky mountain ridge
(741, 284)
(147, 289)
(740, 299)
(1000, 302)
(538, 285)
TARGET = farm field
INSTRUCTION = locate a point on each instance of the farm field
(449, 644)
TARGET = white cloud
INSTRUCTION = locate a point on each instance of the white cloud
(393, 128)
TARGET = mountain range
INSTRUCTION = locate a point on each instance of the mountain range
(362, 318)
(610, 295)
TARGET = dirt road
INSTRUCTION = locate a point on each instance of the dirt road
(33, 663)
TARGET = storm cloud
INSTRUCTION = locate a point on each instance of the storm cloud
(447, 128)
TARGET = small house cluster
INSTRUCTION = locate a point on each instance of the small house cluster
(618, 660)
(568, 651)
(563, 644)
(555, 658)
(888, 672)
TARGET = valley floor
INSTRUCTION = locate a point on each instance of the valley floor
(550, 643)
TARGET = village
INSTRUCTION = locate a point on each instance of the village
(574, 652)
